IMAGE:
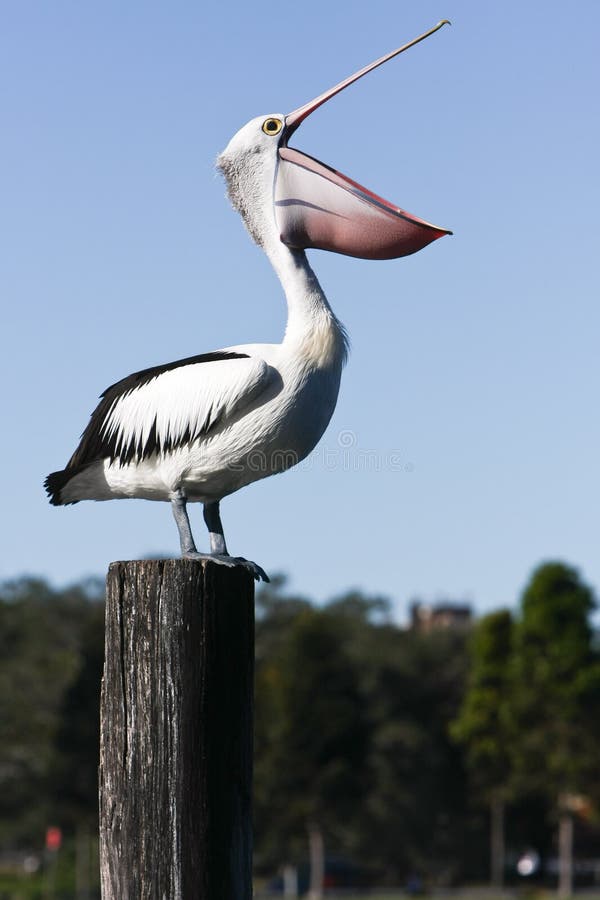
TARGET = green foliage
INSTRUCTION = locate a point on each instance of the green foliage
(529, 717)
(529, 721)
(74, 771)
(416, 817)
(364, 728)
(310, 731)
(482, 725)
(45, 636)
(352, 718)
(556, 685)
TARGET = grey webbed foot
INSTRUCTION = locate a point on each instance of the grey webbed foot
(231, 562)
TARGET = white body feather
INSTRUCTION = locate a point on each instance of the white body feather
(270, 409)
(275, 429)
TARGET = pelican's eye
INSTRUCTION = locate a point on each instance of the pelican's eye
(272, 126)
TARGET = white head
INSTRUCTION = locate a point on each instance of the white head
(285, 195)
(249, 165)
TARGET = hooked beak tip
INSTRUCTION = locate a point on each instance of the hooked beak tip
(295, 118)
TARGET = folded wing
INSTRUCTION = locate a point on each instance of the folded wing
(160, 409)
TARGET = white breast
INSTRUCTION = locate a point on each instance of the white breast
(276, 431)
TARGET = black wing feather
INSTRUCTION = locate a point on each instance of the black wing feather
(95, 444)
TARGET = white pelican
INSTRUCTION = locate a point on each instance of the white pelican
(200, 428)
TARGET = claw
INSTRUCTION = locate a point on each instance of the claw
(258, 572)
(231, 562)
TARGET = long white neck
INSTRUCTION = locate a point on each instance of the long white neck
(312, 326)
(250, 167)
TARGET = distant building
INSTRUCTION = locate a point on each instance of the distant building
(427, 617)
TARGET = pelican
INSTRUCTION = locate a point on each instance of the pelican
(200, 428)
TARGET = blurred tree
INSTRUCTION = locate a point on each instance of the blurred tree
(555, 705)
(416, 821)
(353, 723)
(41, 650)
(361, 610)
(482, 725)
(74, 772)
(352, 717)
(313, 759)
(276, 613)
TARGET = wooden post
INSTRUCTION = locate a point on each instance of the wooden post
(176, 732)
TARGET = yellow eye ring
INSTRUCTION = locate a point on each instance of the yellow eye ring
(272, 126)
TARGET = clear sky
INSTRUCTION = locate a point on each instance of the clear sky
(464, 448)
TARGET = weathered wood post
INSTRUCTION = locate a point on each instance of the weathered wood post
(176, 732)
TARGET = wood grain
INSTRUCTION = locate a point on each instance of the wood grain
(176, 732)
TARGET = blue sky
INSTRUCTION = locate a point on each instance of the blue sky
(464, 448)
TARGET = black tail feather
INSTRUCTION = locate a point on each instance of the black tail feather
(54, 484)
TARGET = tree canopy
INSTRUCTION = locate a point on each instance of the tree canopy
(556, 685)
(391, 740)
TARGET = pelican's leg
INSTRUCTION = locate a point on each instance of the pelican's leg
(186, 539)
(218, 547)
(212, 518)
